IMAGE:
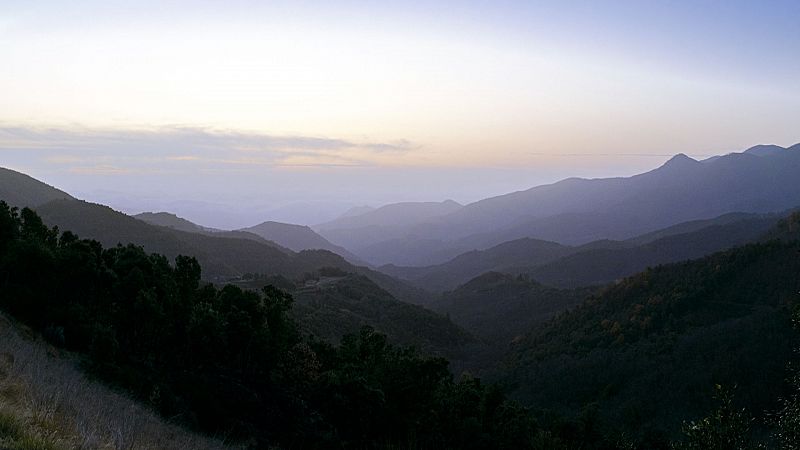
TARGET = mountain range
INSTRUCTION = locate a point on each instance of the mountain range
(595, 263)
(577, 211)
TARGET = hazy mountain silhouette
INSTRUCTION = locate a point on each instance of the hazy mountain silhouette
(577, 211)
(447, 276)
(387, 222)
(18, 189)
(603, 265)
(170, 220)
(395, 214)
(764, 150)
(298, 238)
(356, 211)
(597, 262)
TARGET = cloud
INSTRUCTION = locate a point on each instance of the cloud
(171, 148)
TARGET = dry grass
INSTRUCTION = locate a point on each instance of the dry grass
(46, 402)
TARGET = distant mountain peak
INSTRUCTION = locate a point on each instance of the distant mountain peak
(170, 220)
(357, 211)
(764, 150)
(680, 160)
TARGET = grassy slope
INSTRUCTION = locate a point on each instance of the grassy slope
(46, 402)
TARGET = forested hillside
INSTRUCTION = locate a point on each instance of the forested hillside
(331, 303)
(231, 361)
(500, 307)
(20, 190)
(223, 256)
(642, 355)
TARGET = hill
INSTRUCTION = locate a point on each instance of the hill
(222, 257)
(395, 214)
(500, 307)
(335, 303)
(595, 266)
(18, 189)
(297, 238)
(644, 353)
(577, 211)
(357, 232)
(594, 263)
(447, 276)
(169, 220)
(331, 303)
(173, 222)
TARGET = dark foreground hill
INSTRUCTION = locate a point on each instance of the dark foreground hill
(500, 307)
(18, 189)
(643, 354)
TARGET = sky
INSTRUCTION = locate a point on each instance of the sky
(231, 113)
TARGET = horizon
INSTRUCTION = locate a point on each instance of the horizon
(206, 213)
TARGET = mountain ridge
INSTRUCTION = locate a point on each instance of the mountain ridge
(576, 211)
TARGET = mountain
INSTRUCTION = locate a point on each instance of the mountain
(395, 214)
(577, 211)
(297, 238)
(386, 222)
(335, 304)
(18, 189)
(597, 266)
(764, 150)
(696, 225)
(499, 307)
(169, 220)
(173, 222)
(223, 255)
(446, 276)
(597, 262)
(356, 211)
(645, 353)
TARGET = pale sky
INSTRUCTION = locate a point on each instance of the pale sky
(252, 104)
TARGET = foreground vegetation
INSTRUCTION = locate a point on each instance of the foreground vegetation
(46, 402)
(233, 362)
(228, 360)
